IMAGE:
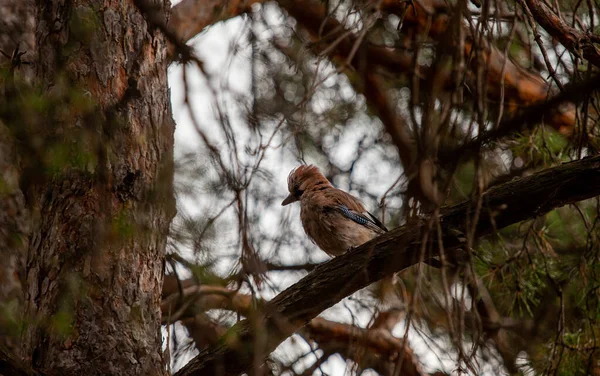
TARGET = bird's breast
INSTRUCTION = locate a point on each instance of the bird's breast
(330, 230)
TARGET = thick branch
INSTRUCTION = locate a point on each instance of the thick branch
(370, 348)
(399, 249)
(574, 40)
(189, 18)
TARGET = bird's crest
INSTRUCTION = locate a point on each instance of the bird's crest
(301, 174)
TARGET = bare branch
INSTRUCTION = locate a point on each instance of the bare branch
(373, 348)
(520, 86)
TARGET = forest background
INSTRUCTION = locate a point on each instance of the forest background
(132, 246)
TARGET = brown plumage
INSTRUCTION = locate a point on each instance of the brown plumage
(334, 220)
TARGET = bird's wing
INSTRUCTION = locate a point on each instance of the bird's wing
(376, 221)
(365, 218)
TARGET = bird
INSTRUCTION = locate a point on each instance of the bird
(333, 219)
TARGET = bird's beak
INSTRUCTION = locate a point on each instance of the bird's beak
(288, 200)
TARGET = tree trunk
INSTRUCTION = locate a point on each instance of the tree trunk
(16, 30)
(100, 191)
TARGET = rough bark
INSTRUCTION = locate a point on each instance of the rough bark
(96, 251)
(11, 366)
(14, 232)
(16, 30)
(17, 25)
(502, 205)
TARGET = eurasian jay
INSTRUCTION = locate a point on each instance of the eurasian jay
(334, 220)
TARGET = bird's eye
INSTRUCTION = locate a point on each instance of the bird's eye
(298, 192)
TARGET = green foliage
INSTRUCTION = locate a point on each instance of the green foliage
(11, 321)
(62, 323)
(547, 270)
(570, 365)
(463, 181)
(72, 142)
(206, 274)
(4, 187)
(62, 156)
(541, 147)
(123, 225)
(84, 25)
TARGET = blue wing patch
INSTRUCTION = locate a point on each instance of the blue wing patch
(353, 215)
(366, 219)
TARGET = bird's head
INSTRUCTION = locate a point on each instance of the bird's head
(301, 179)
